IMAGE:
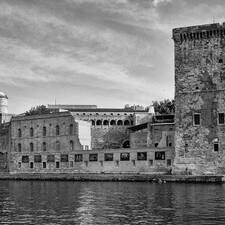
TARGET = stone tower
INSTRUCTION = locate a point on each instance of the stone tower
(3, 103)
(200, 99)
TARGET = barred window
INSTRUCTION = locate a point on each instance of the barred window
(78, 157)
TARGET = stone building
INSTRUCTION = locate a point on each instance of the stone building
(109, 125)
(4, 115)
(44, 141)
(200, 98)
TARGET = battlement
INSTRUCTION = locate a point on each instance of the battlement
(215, 30)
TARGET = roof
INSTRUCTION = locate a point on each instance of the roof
(128, 110)
(139, 127)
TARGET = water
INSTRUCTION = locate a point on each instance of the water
(83, 203)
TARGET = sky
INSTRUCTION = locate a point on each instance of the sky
(103, 52)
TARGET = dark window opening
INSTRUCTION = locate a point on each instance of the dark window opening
(142, 156)
(221, 118)
(150, 162)
(57, 145)
(169, 162)
(93, 123)
(126, 144)
(108, 157)
(44, 131)
(126, 123)
(50, 158)
(134, 163)
(78, 157)
(25, 159)
(57, 165)
(160, 156)
(105, 122)
(37, 158)
(71, 129)
(99, 123)
(57, 130)
(19, 147)
(117, 162)
(44, 165)
(220, 60)
(64, 158)
(125, 156)
(71, 145)
(112, 122)
(156, 145)
(31, 147)
(19, 133)
(197, 119)
(31, 165)
(31, 132)
(119, 122)
(93, 157)
(216, 147)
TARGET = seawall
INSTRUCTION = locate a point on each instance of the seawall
(128, 177)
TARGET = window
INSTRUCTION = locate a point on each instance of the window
(142, 156)
(127, 123)
(168, 162)
(71, 129)
(31, 147)
(119, 122)
(197, 119)
(19, 164)
(216, 147)
(25, 159)
(44, 146)
(19, 133)
(57, 165)
(31, 165)
(159, 155)
(64, 158)
(44, 165)
(221, 118)
(99, 123)
(93, 157)
(108, 156)
(44, 132)
(150, 162)
(112, 122)
(134, 162)
(37, 158)
(71, 146)
(105, 122)
(50, 158)
(93, 123)
(57, 131)
(78, 157)
(31, 132)
(19, 147)
(125, 156)
(57, 145)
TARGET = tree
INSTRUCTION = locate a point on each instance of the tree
(164, 107)
(38, 110)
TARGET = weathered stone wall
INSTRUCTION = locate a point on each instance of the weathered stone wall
(199, 88)
(139, 139)
(136, 163)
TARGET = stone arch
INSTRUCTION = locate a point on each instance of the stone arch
(120, 123)
(112, 122)
(105, 122)
(126, 123)
(126, 144)
(92, 122)
(99, 123)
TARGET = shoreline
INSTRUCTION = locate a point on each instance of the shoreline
(123, 177)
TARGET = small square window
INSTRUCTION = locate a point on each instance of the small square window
(125, 156)
(78, 157)
(93, 157)
(221, 118)
(197, 119)
(159, 155)
(108, 156)
(142, 156)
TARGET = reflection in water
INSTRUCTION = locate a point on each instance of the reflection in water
(84, 203)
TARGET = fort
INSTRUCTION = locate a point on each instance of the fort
(84, 139)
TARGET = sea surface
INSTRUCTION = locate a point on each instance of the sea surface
(50, 202)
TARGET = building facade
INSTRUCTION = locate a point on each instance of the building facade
(200, 98)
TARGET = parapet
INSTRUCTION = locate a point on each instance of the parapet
(199, 32)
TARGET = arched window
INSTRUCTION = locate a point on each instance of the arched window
(57, 146)
(119, 122)
(99, 122)
(71, 145)
(105, 122)
(31, 147)
(19, 147)
(57, 130)
(44, 131)
(19, 133)
(71, 129)
(112, 122)
(126, 123)
(31, 131)
(44, 146)
(93, 123)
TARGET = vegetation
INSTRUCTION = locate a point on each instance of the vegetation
(164, 107)
(38, 110)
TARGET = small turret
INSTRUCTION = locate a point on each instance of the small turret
(3, 103)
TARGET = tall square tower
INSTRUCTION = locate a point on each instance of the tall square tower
(200, 98)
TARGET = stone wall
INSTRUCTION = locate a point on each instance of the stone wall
(100, 161)
(200, 97)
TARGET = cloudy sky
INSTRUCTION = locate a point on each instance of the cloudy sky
(104, 52)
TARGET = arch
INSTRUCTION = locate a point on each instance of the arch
(57, 130)
(126, 123)
(57, 145)
(31, 131)
(71, 145)
(105, 122)
(120, 123)
(71, 129)
(112, 122)
(19, 147)
(126, 144)
(44, 131)
(31, 147)
(92, 122)
(44, 146)
(19, 133)
(99, 123)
